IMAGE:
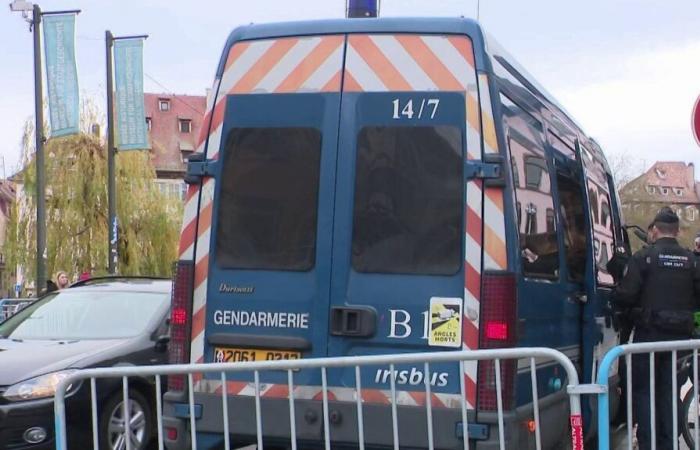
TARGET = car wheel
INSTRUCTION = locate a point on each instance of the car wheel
(112, 424)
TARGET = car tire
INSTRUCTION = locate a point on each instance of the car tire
(111, 426)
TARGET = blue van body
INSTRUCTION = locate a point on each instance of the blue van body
(332, 296)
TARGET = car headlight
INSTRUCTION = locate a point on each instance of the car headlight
(43, 386)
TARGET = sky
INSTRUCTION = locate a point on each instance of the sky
(627, 70)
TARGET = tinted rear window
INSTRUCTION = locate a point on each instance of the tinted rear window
(408, 200)
(269, 197)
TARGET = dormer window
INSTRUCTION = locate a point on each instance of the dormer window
(678, 191)
(651, 189)
(164, 104)
(185, 125)
(664, 190)
(660, 173)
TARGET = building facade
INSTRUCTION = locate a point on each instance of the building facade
(173, 123)
(666, 183)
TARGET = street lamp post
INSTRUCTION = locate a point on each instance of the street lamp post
(25, 7)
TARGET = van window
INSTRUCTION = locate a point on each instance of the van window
(573, 222)
(269, 199)
(407, 215)
(539, 247)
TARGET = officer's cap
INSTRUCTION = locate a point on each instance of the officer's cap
(666, 215)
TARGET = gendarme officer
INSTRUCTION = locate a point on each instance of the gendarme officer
(661, 288)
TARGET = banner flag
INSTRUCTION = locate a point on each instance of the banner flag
(128, 76)
(61, 74)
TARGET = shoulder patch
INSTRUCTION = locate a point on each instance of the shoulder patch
(674, 261)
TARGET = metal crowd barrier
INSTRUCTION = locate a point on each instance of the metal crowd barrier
(323, 364)
(9, 307)
(650, 348)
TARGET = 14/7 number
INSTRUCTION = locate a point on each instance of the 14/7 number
(427, 107)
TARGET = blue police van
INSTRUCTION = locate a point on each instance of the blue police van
(383, 186)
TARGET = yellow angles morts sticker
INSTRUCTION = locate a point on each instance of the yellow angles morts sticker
(445, 322)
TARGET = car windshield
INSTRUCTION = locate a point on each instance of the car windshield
(85, 314)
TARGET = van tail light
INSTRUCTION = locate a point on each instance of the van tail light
(180, 320)
(498, 330)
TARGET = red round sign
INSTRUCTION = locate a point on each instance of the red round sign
(695, 120)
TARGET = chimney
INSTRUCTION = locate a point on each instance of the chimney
(691, 175)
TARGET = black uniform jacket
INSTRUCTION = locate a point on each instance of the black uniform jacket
(661, 277)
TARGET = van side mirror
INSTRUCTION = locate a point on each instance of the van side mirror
(162, 343)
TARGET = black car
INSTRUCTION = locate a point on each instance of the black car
(100, 323)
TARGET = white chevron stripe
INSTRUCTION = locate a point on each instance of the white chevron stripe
(362, 73)
(404, 63)
(325, 72)
(214, 142)
(473, 252)
(450, 57)
(242, 66)
(471, 302)
(200, 296)
(188, 254)
(474, 196)
(197, 349)
(473, 142)
(494, 218)
(286, 65)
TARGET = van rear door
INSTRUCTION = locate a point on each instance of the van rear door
(398, 272)
(269, 267)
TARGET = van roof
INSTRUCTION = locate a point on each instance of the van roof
(432, 25)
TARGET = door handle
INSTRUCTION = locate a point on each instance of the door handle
(578, 297)
(357, 321)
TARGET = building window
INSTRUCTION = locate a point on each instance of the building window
(678, 191)
(664, 190)
(149, 123)
(651, 189)
(164, 104)
(185, 125)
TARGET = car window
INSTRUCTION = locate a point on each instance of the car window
(86, 315)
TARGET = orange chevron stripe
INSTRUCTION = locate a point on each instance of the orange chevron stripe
(198, 322)
(192, 190)
(473, 224)
(235, 53)
(264, 64)
(470, 387)
(430, 63)
(470, 335)
(277, 390)
(310, 64)
(496, 197)
(472, 281)
(187, 237)
(464, 47)
(212, 119)
(489, 132)
(379, 63)
(205, 215)
(334, 84)
(200, 271)
(350, 84)
(495, 247)
(473, 114)
(374, 396)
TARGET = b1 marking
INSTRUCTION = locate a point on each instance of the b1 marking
(427, 107)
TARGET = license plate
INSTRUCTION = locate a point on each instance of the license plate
(225, 354)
